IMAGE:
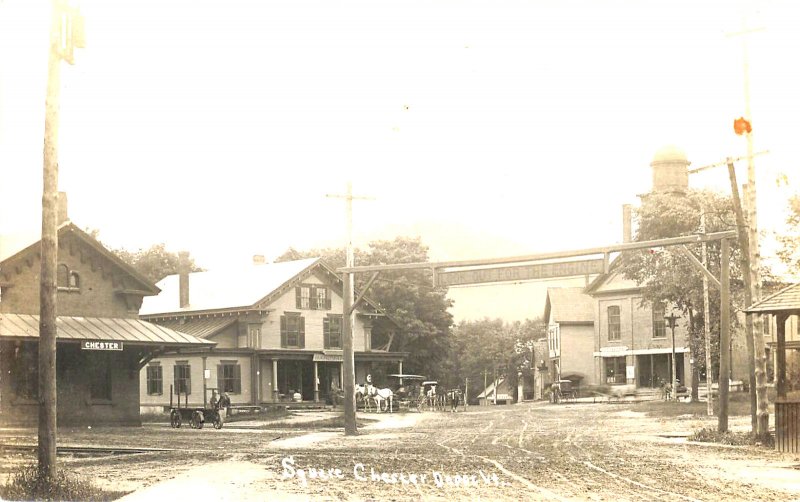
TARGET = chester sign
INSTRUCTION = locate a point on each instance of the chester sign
(520, 272)
(100, 345)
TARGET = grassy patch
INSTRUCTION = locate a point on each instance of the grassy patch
(708, 435)
(26, 483)
(738, 405)
(268, 414)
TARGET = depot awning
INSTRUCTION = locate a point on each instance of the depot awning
(129, 331)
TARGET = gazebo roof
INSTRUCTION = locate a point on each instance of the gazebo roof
(786, 301)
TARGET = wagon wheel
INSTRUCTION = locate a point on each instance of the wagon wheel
(418, 405)
(175, 419)
(218, 421)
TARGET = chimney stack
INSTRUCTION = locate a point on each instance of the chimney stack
(183, 278)
(61, 208)
(627, 235)
(259, 259)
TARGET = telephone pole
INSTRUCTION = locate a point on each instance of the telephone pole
(759, 400)
(66, 33)
(348, 318)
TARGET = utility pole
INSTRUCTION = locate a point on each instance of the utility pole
(706, 321)
(66, 32)
(348, 319)
(760, 417)
(724, 336)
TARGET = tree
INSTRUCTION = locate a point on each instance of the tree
(491, 348)
(406, 296)
(666, 276)
(790, 242)
(154, 263)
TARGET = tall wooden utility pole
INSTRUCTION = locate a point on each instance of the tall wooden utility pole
(348, 320)
(759, 402)
(724, 335)
(707, 322)
(66, 32)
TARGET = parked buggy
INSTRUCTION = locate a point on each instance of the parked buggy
(563, 391)
(408, 393)
(195, 417)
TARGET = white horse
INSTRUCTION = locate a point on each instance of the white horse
(380, 396)
(363, 393)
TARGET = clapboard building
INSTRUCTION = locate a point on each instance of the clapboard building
(278, 334)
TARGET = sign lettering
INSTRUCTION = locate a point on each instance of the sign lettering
(100, 345)
(520, 272)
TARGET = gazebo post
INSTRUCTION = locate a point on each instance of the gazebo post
(780, 370)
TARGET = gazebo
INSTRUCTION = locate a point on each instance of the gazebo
(783, 304)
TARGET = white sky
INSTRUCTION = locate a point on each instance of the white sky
(488, 128)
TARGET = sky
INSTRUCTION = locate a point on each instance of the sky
(486, 128)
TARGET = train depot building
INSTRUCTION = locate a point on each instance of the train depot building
(278, 334)
(101, 344)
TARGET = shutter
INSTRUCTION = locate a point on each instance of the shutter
(175, 385)
(237, 379)
(188, 379)
(327, 299)
(297, 299)
(283, 331)
(302, 332)
(220, 390)
(326, 333)
(160, 382)
(312, 297)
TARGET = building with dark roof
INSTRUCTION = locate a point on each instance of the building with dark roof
(101, 344)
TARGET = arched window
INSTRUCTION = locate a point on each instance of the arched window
(62, 276)
(74, 280)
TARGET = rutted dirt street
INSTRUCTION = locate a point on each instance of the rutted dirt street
(521, 452)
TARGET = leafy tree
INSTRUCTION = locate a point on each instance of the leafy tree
(407, 296)
(488, 348)
(667, 276)
(155, 263)
(790, 250)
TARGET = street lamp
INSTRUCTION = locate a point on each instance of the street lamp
(671, 318)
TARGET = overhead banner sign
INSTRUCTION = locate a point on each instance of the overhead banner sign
(520, 272)
(100, 345)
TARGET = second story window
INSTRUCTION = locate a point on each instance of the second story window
(614, 330)
(312, 297)
(254, 336)
(66, 279)
(332, 329)
(293, 331)
(659, 324)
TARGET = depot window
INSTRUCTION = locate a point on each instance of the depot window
(293, 331)
(183, 377)
(155, 379)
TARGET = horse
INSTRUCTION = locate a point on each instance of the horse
(362, 393)
(381, 395)
(432, 399)
(454, 398)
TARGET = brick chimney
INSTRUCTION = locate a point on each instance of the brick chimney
(259, 259)
(183, 278)
(61, 208)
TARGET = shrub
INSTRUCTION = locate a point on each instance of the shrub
(27, 483)
(709, 435)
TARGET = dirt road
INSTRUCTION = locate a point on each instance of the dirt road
(521, 452)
